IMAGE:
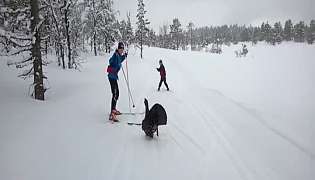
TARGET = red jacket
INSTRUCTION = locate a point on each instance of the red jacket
(162, 71)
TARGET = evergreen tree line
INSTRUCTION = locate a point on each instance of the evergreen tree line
(176, 35)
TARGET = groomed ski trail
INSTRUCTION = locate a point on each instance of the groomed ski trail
(209, 135)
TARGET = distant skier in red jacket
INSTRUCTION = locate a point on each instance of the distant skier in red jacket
(162, 71)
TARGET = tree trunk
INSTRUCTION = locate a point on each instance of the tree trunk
(83, 42)
(94, 27)
(68, 38)
(191, 39)
(62, 54)
(177, 41)
(94, 39)
(46, 47)
(141, 45)
(36, 53)
(91, 45)
(57, 54)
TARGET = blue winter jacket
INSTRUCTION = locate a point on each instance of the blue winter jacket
(115, 65)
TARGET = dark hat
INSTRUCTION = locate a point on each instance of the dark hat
(120, 45)
(160, 61)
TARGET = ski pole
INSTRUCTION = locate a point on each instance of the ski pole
(129, 92)
(128, 82)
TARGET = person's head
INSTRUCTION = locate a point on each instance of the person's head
(120, 47)
(160, 61)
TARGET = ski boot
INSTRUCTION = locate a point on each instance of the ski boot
(112, 117)
(116, 112)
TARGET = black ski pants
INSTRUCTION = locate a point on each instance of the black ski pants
(115, 93)
(163, 79)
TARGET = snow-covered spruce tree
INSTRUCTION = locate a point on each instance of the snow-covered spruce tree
(88, 23)
(92, 20)
(255, 35)
(21, 34)
(299, 32)
(76, 26)
(277, 33)
(190, 29)
(142, 23)
(288, 31)
(312, 28)
(69, 14)
(101, 21)
(122, 30)
(129, 31)
(310, 34)
(115, 34)
(58, 32)
(125, 31)
(199, 37)
(65, 26)
(262, 32)
(176, 30)
(226, 35)
(164, 39)
(151, 38)
(108, 26)
(63, 14)
(184, 37)
(245, 34)
(267, 33)
(236, 33)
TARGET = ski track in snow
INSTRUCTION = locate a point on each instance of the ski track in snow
(210, 122)
(256, 117)
(276, 131)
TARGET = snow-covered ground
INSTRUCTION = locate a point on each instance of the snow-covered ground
(228, 118)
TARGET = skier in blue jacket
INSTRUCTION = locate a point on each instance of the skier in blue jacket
(113, 68)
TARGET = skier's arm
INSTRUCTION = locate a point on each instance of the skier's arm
(158, 69)
(124, 56)
(112, 60)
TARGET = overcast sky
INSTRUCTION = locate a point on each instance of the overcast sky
(219, 12)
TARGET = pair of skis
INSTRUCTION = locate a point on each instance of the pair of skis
(134, 124)
(132, 114)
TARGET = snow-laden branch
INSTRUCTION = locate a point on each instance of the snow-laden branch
(10, 35)
(43, 7)
(21, 64)
(19, 51)
(16, 40)
(27, 73)
(45, 37)
(54, 17)
(51, 4)
(14, 11)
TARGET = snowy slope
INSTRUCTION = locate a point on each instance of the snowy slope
(228, 118)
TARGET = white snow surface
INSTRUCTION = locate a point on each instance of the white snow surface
(229, 118)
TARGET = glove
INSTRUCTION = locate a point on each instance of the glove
(110, 69)
(126, 54)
